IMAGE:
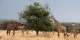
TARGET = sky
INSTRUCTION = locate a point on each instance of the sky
(63, 10)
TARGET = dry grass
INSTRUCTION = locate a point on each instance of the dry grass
(32, 36)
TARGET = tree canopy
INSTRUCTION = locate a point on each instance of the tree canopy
(37, 17)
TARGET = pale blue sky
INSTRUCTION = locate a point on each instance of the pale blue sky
(63, 10)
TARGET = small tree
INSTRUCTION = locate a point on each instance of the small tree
(37, 18)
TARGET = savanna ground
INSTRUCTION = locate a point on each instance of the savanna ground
(32, 36)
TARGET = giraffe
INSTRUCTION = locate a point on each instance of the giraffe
(21, 26)
(8, 29)
(13, 25)
(60, 27)
(74, 29)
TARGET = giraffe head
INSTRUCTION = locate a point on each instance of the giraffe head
(52, 16)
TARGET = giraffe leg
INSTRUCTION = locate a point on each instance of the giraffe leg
(27, 31)
(66, 35)
(75, 35)
(23, 31)
(13, 32)
(58, 33)
(53, 33)
(7, 32)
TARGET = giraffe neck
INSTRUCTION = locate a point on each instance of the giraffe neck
(58, 25)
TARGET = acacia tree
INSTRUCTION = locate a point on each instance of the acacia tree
(37, 18)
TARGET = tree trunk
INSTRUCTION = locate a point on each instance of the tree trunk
(37, 33)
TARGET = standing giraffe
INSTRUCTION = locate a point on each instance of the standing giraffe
(75, 30)
(13, 25)
(8, 29)
(60, 27)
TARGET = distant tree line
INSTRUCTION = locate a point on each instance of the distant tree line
(3, 26)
